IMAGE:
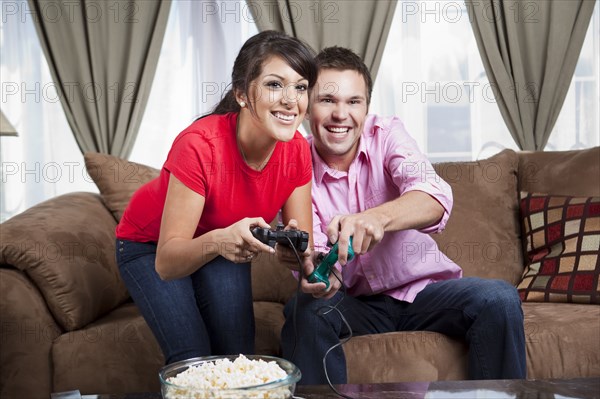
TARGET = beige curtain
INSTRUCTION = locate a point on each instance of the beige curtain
(102, 57)
(529, 50)
(361, 25)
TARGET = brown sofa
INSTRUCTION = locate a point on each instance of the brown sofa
(67, 322)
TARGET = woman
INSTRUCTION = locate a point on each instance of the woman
(184, 244)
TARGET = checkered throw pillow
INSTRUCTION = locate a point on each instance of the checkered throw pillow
(562, 242)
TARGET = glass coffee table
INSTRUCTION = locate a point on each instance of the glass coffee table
(579, 388)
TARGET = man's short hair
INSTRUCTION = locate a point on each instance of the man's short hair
(341, 59)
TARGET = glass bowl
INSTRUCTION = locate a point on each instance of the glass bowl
(282, 388)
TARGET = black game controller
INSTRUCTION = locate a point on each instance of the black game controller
(298, 238)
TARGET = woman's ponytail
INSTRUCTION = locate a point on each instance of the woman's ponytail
(227, 104)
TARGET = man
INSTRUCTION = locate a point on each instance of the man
(371, 183)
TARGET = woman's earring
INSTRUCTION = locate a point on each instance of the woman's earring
(242, 104)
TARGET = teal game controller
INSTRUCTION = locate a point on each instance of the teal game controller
(323, 270)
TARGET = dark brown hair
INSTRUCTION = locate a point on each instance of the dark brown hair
(248, 64)
(341, 59)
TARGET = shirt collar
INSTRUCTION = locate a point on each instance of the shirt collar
(319, 166)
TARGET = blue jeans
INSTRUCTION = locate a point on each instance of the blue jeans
(207, 313)
(485, 313)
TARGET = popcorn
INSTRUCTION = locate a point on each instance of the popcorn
(220, 378)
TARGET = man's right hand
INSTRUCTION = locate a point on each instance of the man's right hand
(365, 228)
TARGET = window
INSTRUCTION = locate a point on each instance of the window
(44, 160)
(432, 77)
(188, 83)
(577, 125)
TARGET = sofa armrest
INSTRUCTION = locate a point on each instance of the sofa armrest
(66, 247)
(26, 336)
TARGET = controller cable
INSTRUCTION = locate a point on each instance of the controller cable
(322, 311)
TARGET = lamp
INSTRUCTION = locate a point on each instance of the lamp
(6, 129)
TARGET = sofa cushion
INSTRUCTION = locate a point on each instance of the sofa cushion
(405, 356)
(271, 280)
(115, 354)
(483, 232)
(66, 246)
(562, 243)
(561, 172)
(26, 335)
(562, 340)
(269, 322)
(117, 179)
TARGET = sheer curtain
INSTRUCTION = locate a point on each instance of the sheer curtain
(44, 160)
(200, 44)
(194, 70)
(432, 77)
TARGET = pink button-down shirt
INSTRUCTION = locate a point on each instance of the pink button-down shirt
(388, 164)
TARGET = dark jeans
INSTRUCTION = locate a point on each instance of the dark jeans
(207, 313)
(486, 313)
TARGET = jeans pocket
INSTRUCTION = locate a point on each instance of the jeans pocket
(118, 250)
(127, 251)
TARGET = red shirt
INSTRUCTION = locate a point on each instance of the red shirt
(205, 157)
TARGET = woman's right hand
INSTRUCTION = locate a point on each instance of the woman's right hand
(237, 243)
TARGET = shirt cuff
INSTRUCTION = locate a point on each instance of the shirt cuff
(441, 199)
